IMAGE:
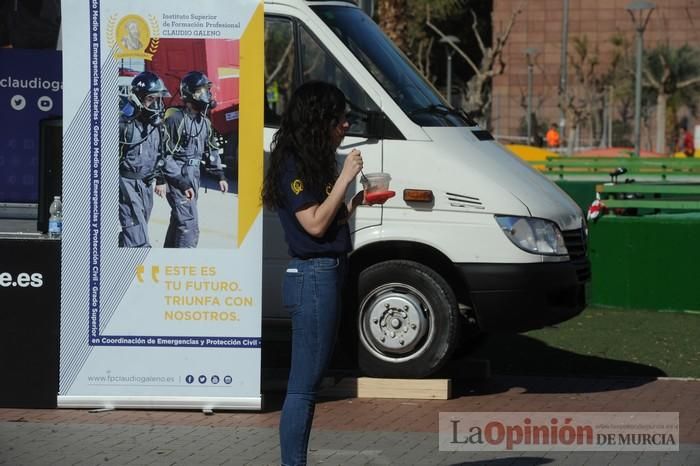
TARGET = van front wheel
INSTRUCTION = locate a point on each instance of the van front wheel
(408, 320)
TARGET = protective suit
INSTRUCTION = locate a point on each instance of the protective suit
(193, 147)
(142, 158)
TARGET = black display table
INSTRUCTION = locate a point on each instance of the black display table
(29, 320)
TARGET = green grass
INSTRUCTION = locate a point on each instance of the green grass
(602, 342)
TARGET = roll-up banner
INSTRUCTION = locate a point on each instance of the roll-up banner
(162, 226)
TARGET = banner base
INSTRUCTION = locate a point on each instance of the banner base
(161, 402)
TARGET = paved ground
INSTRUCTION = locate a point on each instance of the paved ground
(346, 431)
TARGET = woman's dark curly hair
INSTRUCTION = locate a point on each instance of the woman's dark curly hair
(305, 135)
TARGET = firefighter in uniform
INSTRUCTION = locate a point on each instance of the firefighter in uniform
(141, 157)
(192, 144)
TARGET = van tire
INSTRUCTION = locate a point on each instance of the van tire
(414, 310)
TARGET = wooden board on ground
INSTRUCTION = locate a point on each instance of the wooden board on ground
(370, 387)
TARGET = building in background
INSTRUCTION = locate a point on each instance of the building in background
(676, 22)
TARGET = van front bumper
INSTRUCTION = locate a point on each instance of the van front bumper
(521, 297)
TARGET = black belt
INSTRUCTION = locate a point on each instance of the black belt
(134, 175)
(194, 161)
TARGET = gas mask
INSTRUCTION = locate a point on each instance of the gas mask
(204, 100)
(150, 109)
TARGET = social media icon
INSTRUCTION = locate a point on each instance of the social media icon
(45, 103)
(228, 379)
(18, 102)
(214, 379)
(189, 379)
(202, 379)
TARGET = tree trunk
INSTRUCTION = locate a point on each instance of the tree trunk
(671, 128)
(661, 100)
(475, 102)
(571, 140)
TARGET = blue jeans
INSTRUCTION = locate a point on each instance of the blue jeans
(311, 294)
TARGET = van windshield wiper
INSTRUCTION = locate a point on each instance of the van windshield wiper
(441, 109)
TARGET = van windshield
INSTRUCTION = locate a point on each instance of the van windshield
(390, 67)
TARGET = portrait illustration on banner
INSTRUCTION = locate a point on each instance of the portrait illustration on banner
(132, 37)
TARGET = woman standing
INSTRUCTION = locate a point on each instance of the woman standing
(303, 184)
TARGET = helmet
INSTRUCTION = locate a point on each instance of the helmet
(147, 84)
(195, 88)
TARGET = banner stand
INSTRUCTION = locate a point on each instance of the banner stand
(151, 322)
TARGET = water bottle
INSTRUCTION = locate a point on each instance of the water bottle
(56, 218)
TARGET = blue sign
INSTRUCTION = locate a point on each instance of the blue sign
(30, 90)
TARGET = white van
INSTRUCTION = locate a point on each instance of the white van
(474, 239)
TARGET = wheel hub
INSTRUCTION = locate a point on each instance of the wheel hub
(396, 322)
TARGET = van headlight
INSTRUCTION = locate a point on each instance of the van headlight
(533, 235)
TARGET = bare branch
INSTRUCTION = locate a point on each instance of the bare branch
(651, 80)
(501, 65)
(280, 63)
(451, 44)
(688, 82)
(475, 28)
(503, 38)
(428, 52)
(496, 55)
(667, 69)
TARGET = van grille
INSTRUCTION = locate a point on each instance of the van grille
(460, 200)
(575, 242)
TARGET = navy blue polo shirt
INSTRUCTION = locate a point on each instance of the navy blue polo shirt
(297, 196)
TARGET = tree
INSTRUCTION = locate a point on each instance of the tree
(403, 21)
(674, 76)
(393, 20)
(478, 89)
(621, 77)
(585, 98)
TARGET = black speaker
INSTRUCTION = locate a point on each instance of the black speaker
(50, 168)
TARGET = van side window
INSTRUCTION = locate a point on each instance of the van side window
(290, 61)
(318, 64)
(279, 67)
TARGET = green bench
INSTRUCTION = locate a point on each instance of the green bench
(646, 168)
(654, 196)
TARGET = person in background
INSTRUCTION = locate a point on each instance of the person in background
(552, 136)
(191, 143)
(686, 144)
(141, 157)
(305, 187)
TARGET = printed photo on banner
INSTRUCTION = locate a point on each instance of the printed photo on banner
(165, 312)
(178, 135)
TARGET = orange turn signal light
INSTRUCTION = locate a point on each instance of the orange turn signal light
(418, 195)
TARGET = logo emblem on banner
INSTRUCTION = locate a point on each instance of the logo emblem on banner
(132, 36)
